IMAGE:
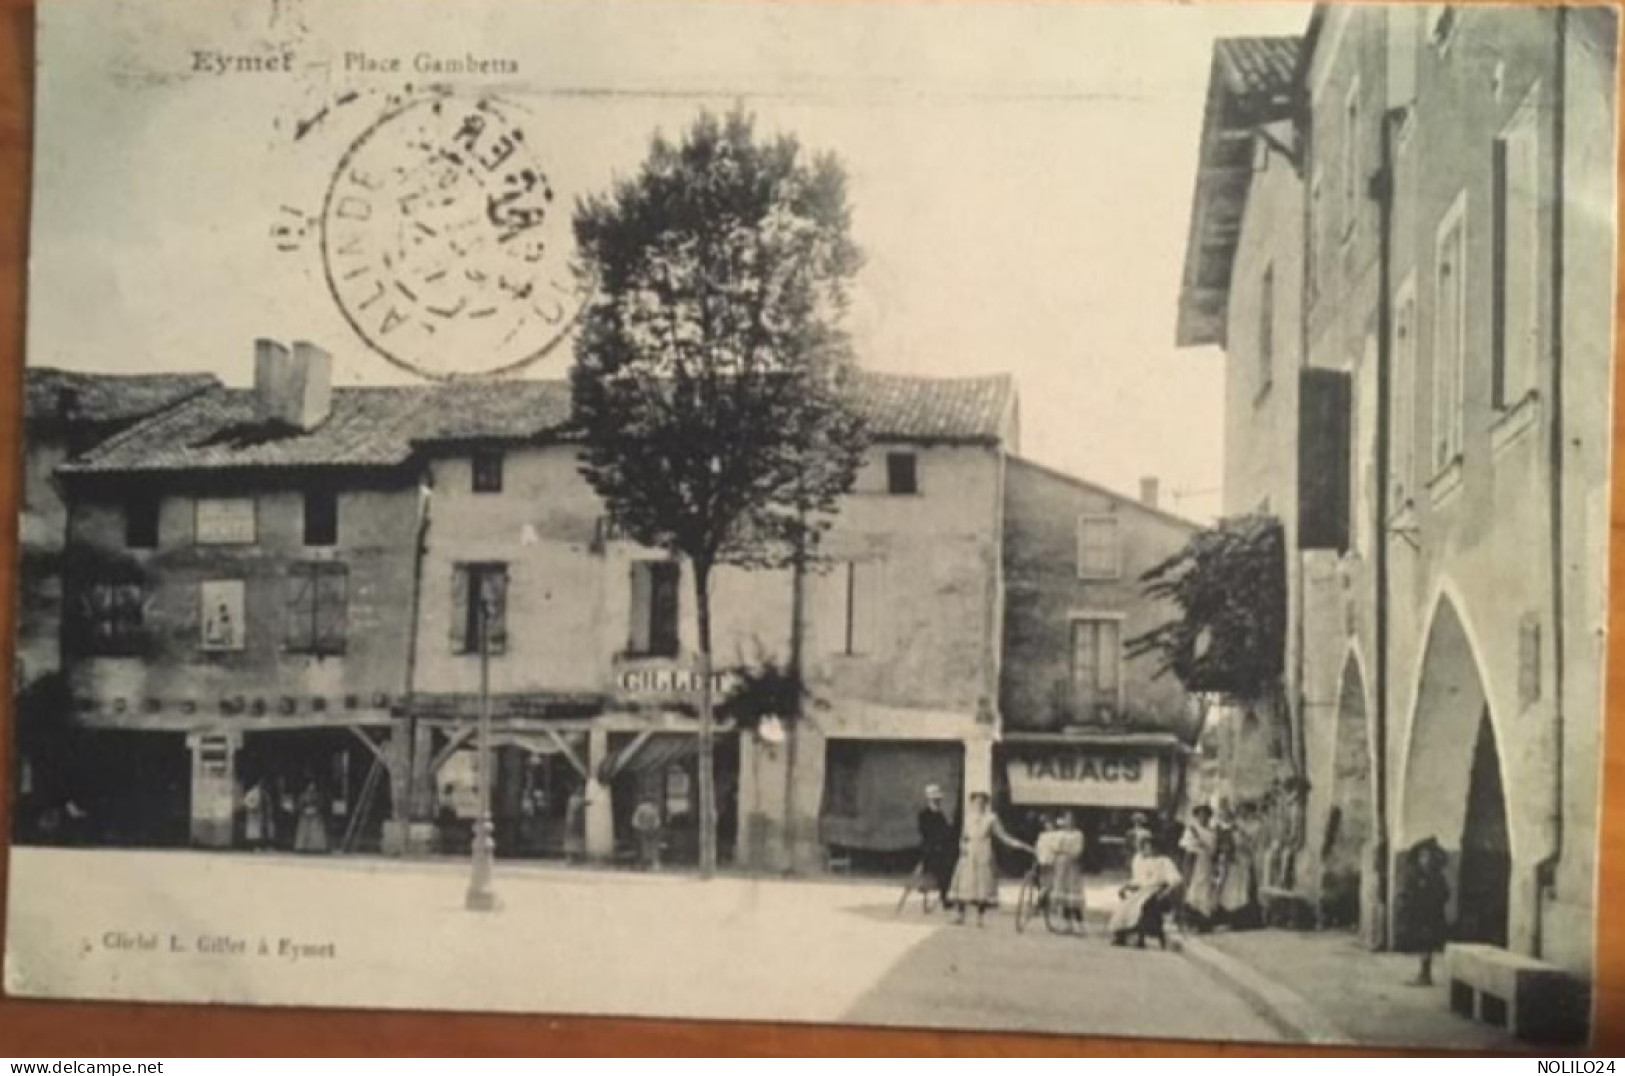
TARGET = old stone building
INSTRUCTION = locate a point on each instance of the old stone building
(239, 569)
(286, 587)
(593, 685)
(1410, 284)
(65, 414)
(1086, 726)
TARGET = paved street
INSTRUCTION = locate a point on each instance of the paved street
(375, 933)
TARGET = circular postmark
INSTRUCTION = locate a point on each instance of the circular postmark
(443, 242)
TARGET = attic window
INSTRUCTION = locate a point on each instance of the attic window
(141, 523)
(487, 467)
(902, 475)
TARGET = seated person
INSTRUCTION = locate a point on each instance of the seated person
(1152, 891)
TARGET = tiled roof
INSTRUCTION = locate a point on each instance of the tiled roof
(69, 396)
(1263, 66)
(1251, 82)
(368, 427)
(898, 407)
(383, 427)
(503, 410)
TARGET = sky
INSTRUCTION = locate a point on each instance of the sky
(1020, 179)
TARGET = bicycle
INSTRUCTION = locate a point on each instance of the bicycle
(1033, 900)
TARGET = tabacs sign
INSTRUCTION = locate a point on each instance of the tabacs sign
(1078, 777)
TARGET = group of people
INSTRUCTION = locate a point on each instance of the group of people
(1222, 849)
(961, 864)
(274, 818)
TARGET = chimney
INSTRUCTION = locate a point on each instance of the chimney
(292, 387)
(1150, 490)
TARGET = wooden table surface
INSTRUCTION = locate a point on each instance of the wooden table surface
(29, 1028)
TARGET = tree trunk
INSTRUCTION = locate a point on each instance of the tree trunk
(792, 720)
(708, 780)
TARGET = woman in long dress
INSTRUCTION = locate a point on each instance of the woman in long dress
(311, 835)
(1154, 882)
(1066, 889)
(1201, 847)
(976, 877)
(1238, 891)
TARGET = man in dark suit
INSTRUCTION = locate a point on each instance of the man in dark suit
(939, 844)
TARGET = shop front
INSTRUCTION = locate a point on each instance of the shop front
(662, 768)
(1103, 779)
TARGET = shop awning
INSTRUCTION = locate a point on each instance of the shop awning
(649, 751)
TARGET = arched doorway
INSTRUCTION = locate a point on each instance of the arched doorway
(1486, 854)
(1453, 790)
(1348, 818)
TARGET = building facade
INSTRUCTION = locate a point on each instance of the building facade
(300, 588)
(1448, 475)
(1086, 726)
(65, 415)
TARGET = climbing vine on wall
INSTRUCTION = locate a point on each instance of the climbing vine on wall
(1229, 585)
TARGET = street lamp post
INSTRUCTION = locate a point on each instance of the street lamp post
(481, 897)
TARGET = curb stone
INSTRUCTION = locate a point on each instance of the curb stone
(1281, 1006)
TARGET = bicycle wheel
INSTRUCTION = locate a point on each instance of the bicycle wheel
(1053, 919)
(1026, 902)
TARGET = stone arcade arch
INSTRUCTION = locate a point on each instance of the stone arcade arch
(1349, 821)
(1453, 784)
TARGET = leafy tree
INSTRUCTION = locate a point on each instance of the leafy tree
(712, 373)
(1229, 584)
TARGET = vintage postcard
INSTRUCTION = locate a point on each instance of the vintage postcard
(1073, 518)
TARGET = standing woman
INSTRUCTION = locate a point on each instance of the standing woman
(1067, 891)
(1201, 847)
(311, 836)
(976, 877)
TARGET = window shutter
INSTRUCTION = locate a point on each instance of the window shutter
(332, 608)
(301, 608)
(638, 643)
(459, 609)
(494, 583)
(1323, 459)
(663, 608)
(1107, 649)
(868, 596)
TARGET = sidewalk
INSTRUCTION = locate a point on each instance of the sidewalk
(1324, 987)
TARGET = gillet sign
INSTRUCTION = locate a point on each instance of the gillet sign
(1081, 777)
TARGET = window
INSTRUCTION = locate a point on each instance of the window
(901, 474)
(843, 765)
(112, 617)
(1515, 347)
(141, 523)
(655, 608)
(488, 472)
(321, 517)
(1096, 655)
(1097, 547)
(1402, 398)
(1353, 164)
(318, 608)
(225, 521)
(1266, 330)
(1449, 330)
(479, 593)
(220, 604)
(865, 600)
